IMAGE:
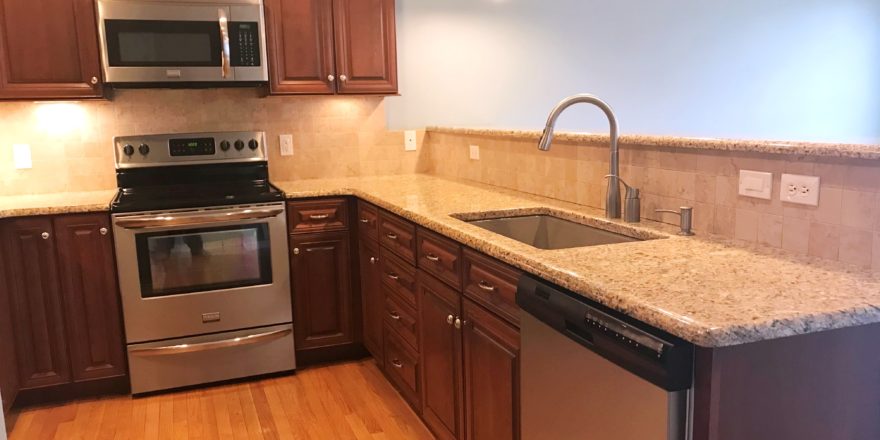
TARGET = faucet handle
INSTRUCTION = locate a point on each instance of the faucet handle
(687, 218)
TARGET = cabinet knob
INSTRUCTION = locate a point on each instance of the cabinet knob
(331, 78)
(103, 231)
(94, 80)
(45, 235)
(374, 260)
(295, 251)
(450, 319)
(343, 78)
(457, 323)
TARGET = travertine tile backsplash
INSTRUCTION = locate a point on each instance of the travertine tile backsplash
(845, 226)
(71, 143)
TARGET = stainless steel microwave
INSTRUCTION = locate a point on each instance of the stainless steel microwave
(182, 41)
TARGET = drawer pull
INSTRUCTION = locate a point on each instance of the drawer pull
(374, 260)
(391, 236)
(393, 276)
(486, 286)
(365, 220)
(450, 319)
(432, 257)
(394, 315)
(396, 363)
(319, 216)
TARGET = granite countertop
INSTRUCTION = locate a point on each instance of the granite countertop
(56, 203)
(703, 289)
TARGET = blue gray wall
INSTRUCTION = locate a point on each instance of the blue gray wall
(777, 69)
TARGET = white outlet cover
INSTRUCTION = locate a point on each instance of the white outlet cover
(803, 190)
(475, 152)
(21, 156)
(755, 184)
(286, 141)
(409, 140)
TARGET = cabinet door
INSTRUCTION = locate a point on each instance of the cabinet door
(366, 46)
(37, 317)
(439, 308)
(372, 297)
(322, 299)
(491, 371)
(90, 296)
(300, 46)
(8, 367)
(49, 49)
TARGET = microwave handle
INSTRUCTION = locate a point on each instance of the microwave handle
(224, 43)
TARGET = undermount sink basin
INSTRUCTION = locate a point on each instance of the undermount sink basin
(549, 232)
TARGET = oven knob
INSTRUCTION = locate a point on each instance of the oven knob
(239, 145)
(144, 149)
(253, 144)
(128, 150)
(224, 145)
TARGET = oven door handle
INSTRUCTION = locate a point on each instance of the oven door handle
(213, 345)
(225, 62)
(163, 221)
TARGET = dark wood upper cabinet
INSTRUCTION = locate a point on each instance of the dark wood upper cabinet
(38, 318)
(366, 46)
(372, 297)
(322, 295)
(331, 46)
(49, 50)
(300, 44)
(90, 296)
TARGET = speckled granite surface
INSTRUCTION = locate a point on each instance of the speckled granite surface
(55, 203)
(854, 151)
(702, 289)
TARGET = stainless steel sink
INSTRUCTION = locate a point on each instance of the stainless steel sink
(549, 232)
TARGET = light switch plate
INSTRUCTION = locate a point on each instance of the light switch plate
(286, 141)
(755, 184)
(409, 140)
(21, 156)
(803, 190)
(475, 152)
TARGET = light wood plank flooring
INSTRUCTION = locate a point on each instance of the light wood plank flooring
(344, 401)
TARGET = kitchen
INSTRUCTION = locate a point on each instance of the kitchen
(341, 219)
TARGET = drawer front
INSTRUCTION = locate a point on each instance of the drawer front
(398, 235)
(491, 284)
(402, 367)
(440, 257)
(398, 276)
(317, 216)
(368, 221)
(402, 319)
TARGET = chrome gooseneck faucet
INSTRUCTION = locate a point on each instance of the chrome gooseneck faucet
(612, 200)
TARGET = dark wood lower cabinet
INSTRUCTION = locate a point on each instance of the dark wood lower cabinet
(372, 297)
(8, 363)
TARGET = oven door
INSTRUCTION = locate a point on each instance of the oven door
(192, 272)
(172, 41)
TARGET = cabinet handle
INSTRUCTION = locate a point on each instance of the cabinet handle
(319, 216)
(45, 235)
(391, 236)
(365, 220)
(393, 276)
(94, 80)
(103, 231)
(486, 286)
(458, 323)
(374, 260)
(396, 363)
(331, 78)
(394, 315)
(450, 319)
(343, 78)
(295, 251)
(432, 257)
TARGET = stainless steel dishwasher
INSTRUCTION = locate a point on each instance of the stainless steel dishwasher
(591, 373)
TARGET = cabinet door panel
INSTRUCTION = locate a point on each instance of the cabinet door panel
(373, 299)
(8, 367)
(491, 364)
(300, 44)
(366, 46)
(441, 357)
(36, 303)
(90, 296)
(49, 49)
(322, 299)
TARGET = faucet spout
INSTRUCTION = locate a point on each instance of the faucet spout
(612, 200)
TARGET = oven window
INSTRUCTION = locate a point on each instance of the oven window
(199, 260)
(160, 43)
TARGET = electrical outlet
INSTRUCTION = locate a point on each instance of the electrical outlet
(755, 184)
(803, 190)
(409, 140)
(286, 141)
(21, 156)
(475, 152)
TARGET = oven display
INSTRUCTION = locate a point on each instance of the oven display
(192, 147)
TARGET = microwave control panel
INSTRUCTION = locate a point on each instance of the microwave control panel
(244, 39)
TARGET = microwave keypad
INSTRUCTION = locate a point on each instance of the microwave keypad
(245, 41)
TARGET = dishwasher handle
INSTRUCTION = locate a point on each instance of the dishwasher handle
(654, 355)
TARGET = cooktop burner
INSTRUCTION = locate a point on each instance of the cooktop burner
(163, 197)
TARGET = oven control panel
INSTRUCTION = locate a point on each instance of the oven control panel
(189, 149)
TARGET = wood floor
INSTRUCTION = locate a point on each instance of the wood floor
(345, 401)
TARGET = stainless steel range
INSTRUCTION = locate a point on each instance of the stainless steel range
(201, 246)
